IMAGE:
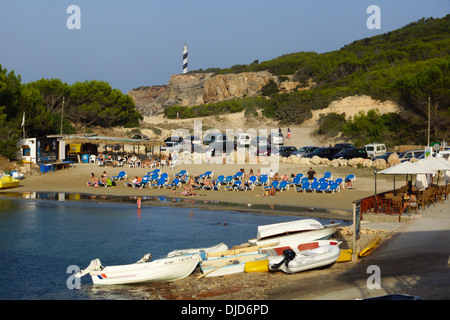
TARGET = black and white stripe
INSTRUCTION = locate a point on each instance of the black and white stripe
(185, 58)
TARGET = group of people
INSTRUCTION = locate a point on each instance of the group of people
(97, 182)
(133, 160)
(193, 183)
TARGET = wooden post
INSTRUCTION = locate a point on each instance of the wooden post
(356, 227)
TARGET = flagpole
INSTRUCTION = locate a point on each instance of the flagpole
(23, 125)
(62, 117)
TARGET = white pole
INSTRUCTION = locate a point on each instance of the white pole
(428, 144)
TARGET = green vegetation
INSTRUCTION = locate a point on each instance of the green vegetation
(90, 103)
(407, 66)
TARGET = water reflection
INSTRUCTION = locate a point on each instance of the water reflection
(139, 201)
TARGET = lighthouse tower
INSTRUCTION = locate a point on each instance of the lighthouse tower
(185, 58)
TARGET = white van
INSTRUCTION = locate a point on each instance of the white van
(242, 140)
(375, 149)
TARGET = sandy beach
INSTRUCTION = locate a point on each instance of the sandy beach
(241, 286)
(74, 179)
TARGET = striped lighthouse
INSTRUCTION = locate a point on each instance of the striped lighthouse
(185, 58)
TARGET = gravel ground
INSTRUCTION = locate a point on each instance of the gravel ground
(253, 286)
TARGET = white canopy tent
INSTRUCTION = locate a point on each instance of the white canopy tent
(406, 168)
(435, 164)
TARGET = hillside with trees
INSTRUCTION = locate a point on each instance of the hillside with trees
(409, 66)
(83, 104)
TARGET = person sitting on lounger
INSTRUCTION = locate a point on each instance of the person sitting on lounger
(104, 177)
(94, 181)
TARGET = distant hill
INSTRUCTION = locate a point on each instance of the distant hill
(409, 66)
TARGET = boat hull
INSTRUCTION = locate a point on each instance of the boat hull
(8, 182)
(308, 259)
(161, 270)
(229, 264)
(304, 236)
(217, 248)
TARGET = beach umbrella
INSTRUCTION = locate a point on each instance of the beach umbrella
(436, 164)
(406, 168)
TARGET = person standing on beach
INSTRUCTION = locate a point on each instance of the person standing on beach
(288, 133)
(311, 174)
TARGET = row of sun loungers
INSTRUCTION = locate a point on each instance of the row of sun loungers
(299, 183)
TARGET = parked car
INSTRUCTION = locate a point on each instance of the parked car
(384, 156)
(408, 155)
(304, 150)
(323, 152)
(286, 151)
(172, 146)
(375, 149)
(214, 137)
(140, 137)
(242, 140)
(266, 150)
(351, 153)
(194, 143)
(259, 141)
(218, 147)
(343, 146)
(174, 139)
(276, 138)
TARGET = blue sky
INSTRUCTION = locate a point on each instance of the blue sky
(139, 42)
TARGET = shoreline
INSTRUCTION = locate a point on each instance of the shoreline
(246, 286)
(176, 201)
(73, 180)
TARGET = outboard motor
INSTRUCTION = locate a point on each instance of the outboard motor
(95, 265)
(288, 255)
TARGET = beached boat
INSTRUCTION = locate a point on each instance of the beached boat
(289, 233)
(240, 249)
(298, 247)
(300, 260)
(8, 182)
(217, 248)
(17, 175)
(160, 270)
(229, 265)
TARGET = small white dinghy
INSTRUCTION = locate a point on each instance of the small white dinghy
(229, 264)
(160, 270)
(297, 231)
(293, 261)
(217, 248)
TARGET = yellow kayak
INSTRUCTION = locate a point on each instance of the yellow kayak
(257, 266)
(8, 182)
(345, 256)
(370, 246)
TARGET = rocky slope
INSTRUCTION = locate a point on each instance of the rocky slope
(200, 88)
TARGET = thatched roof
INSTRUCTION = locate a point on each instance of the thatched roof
(112, 140)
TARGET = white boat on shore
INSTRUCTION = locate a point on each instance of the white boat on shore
(217, 248)
(298, 247)
(296, 261)
(229, 264)
(289, 233)
(160, 270)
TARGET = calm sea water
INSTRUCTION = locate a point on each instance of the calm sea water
(40, 239)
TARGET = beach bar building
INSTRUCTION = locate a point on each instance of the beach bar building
(81, 147)
(46, 151)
